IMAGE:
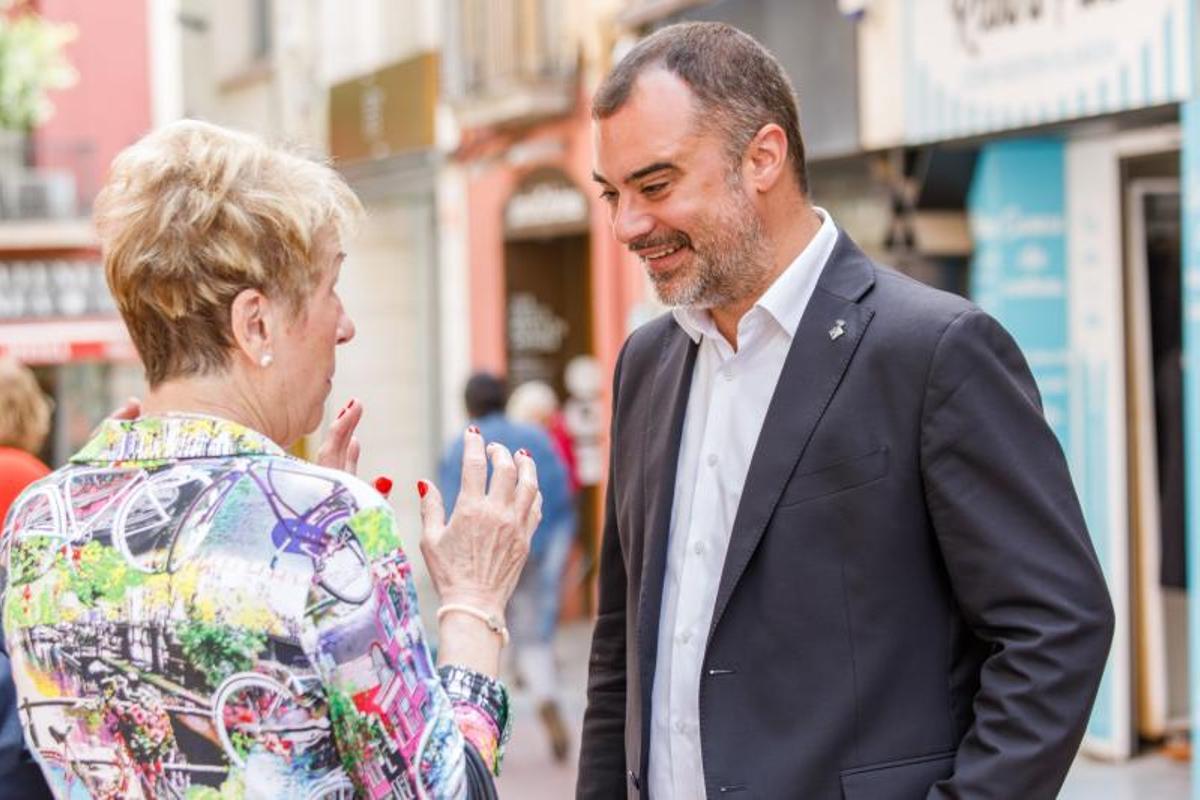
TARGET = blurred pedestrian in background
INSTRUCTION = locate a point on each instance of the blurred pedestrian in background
(535, 604)
(24, 424)
(533, 610)
(535, 403)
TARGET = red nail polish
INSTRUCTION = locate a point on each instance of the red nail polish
(341, 413)
(472, 429)
(422, 488)
(383, 485)
(524, 452)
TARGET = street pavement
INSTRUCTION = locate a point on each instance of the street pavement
(530, 774)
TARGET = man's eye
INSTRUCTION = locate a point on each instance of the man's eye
(654, 188)
(608, 196)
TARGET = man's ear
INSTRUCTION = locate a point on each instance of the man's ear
(766, 157)
(251, 319)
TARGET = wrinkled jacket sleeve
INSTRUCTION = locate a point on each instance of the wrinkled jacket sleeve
(602, 765)
(389, 706)
(1020, 561)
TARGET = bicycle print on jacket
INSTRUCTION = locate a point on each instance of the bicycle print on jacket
(192, 613)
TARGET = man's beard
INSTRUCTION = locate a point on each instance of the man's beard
(727, 265)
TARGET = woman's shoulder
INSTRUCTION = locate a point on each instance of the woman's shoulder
(297, 473)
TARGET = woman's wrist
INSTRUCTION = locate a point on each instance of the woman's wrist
(486, 602)
(467, 641)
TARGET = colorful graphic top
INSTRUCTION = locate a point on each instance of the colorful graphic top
(192, 613)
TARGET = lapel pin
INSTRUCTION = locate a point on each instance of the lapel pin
(839, 327)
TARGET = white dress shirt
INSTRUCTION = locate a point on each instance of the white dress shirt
(728, 401)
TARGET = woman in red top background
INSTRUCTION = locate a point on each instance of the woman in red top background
(24, 424)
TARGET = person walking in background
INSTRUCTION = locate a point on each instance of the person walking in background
(535, 403)
(24, 425)
(534, 607)
(533, 610)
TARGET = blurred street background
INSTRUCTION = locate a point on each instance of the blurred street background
(1042, 158)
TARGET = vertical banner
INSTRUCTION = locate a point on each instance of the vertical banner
(1097, 453)
(1191, 376)
(1019, 271)
(1047, 264)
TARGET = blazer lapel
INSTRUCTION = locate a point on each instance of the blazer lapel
(826, 339)
(664, 431)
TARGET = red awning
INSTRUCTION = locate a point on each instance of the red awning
(64, 341)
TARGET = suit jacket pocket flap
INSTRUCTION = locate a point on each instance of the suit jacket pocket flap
(844, 474)
(908, 779)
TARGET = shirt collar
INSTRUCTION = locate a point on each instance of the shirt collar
(172, 437)
(786, 298)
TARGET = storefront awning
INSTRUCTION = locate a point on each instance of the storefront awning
(65, 341)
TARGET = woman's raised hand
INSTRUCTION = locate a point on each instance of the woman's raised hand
(476, 558)
(340, 448)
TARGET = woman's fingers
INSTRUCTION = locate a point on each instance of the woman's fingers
(433, 512)
(353, 451)
(334, 452)
(527, 483)
(534, 518)
(130, 409)
(474, 465)
(504, 473)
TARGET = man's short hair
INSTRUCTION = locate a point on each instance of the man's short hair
(485, 394)
(194, 213)
(738, 84)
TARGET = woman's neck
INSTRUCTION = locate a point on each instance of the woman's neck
(211, 395)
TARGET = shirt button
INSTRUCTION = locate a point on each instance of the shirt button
(727, 374)
(712, 459)
(680, 726)
(699, 548)
(685, 637)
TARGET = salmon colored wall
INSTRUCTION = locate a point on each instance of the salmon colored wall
(617, 283)
(110, 105)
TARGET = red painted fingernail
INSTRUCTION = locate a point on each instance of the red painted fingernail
(422, 488)
(472, 429)
(341, 413)
(383, 485)
(524, 452)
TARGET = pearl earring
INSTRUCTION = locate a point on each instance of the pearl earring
(266, 360)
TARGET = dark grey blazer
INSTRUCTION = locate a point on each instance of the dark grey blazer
(910, 605)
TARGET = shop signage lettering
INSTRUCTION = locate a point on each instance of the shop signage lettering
(973, 67)
(41, 289)
(977, 18)
(546, 205)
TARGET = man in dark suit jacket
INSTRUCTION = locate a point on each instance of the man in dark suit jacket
(905, 601)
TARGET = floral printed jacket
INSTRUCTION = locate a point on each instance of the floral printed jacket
(192, 613)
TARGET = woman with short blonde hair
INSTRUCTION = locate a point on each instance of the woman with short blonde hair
(24, 409)
(190, 610)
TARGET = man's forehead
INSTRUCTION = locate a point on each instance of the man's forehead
(653, 125)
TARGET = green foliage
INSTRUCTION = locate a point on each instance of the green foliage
(352, 731)
(376, 531)
(219, 651)
(234, 788)
(25, 559)
(101, 573)
(31, 64)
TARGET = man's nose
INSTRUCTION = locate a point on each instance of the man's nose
(631, 222)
